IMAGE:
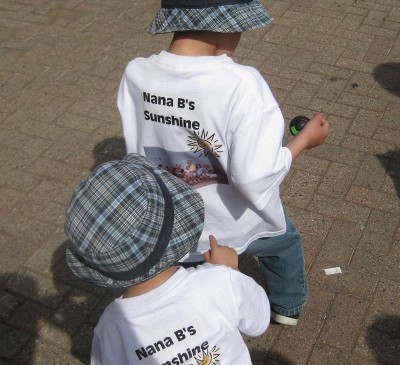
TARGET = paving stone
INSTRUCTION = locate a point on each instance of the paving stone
(47, 257)
(43, 130)
(387, 135)
(329, 107)
(29, 316)
(9, 197)
(356, 49)
(302, 188)
(8, 303)
(367, 29)
(379, 232)
(395, 249)
(12, 257)
(311, 164)
(373, 199)
(366, 145)
(328, 206)
(46, 352)
(365, 123)
(280, 83)
(328, 355)
(371, 173)
(295, 343)
(362, 101)
(390, 186)
(55, 170)
(379, 339)
(337, 251)
(71, 313)
(27, 229)
(355, 63)
(377, 264)
(308, 221)
(329, 56)
(37, 288)
(25, 156)
(362, 83)
(337, 180)
(351, 21)
(83, 341)
(302, 94)
(12, 340)
(302, 76)
(390, 118)
(376, 346)
(331, 88)
(340, 328)
(67, 145)
(330, 152)
(350, 281)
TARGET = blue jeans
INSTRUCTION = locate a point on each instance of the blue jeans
(282, 264)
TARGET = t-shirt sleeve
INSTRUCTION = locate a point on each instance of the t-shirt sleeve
(96, 357)
(258, 161)
(127, 110)
(252, 304)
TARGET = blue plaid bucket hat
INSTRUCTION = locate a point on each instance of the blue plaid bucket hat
(129, 221)
(223, 16)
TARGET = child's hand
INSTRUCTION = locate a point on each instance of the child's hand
(221, 255)
(317, 130)
(312, 135)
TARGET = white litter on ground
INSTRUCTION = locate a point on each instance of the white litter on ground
(333, 271)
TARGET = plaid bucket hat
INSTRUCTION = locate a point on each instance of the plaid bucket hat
(129, 221)
(223, 16)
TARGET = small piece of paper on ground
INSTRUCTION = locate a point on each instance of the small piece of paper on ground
(333, 271)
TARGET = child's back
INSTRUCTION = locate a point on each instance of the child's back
(201, 119)
(195, 315)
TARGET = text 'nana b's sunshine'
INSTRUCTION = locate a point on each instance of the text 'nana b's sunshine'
(180, 103)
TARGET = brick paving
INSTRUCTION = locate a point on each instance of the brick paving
(60, 66)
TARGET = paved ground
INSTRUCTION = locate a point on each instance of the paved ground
(60, 66)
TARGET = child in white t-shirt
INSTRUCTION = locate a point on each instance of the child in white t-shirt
(215, 124)
(129, 223)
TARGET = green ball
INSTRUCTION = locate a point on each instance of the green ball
(297, 124)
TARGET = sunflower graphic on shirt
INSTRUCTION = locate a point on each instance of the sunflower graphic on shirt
(204, 144)
(208, 357)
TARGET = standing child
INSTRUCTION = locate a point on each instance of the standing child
(193, 103)
(129, 223)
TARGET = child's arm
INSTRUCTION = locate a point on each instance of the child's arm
(221, 255)
(312, 135)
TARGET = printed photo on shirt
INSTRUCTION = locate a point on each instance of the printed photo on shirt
(195, 170)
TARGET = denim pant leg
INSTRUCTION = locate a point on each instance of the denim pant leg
(282, 264)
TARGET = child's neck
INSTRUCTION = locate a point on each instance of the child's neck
(148, 285)
(193, 44)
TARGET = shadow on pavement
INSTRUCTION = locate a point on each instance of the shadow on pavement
(17, 337)
(109, 149)
(388, 75)
(41, 317)
(269, 358)
(383, 338)
(82, 308)
(391, 160)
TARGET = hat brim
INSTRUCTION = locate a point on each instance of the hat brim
(231, 18)
(187, 228)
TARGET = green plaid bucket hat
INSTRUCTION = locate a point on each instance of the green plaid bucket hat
(223, 16)
(129, 221)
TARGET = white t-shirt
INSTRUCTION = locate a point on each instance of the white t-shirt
(216, 125)
(195, 317)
